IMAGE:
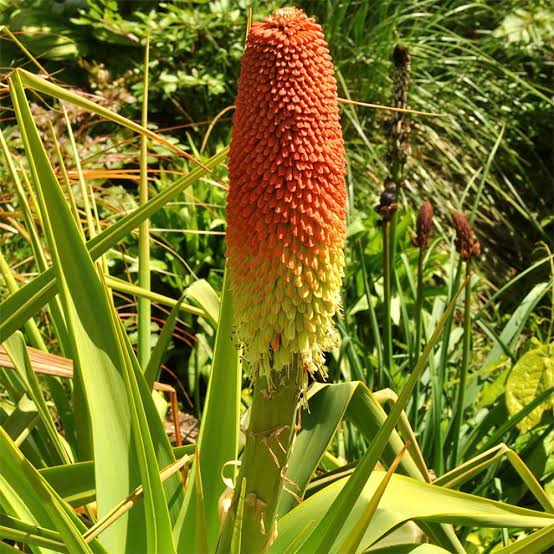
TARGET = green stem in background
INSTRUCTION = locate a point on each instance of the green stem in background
(418, 333)
(435, 428)
(269, 438)
(388, 361)
(372, 317)
(466, 356)
(82, 184)
(144, 305)
(65, 180)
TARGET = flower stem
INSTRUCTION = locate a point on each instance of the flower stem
(387, 365)
(144, 306)
(459, 411)
(269, 438)
(418, 332)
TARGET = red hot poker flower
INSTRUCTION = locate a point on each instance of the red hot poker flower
(287, 200)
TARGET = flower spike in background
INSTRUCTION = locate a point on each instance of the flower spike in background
(466, 244)
(424, 225)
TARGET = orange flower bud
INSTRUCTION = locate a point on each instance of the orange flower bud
(287, 200)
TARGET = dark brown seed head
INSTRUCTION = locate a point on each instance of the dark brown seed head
(400, 56)
(398, 126)
(424, 225)
(466, 244)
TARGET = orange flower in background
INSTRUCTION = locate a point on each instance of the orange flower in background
(286, 207)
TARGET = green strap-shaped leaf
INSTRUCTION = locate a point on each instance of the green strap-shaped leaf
(123, 450)
(515, 325)
(540, 541)
(152, 371)
(218, 438)
(17, 351)
(203, 295)
(328, 406)
(326, 531)
(20, 531)
(25, 495)
(75, 482)
(407, 499)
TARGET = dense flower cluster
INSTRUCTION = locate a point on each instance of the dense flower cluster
(466, 244)
(287, 200)
(424, 225)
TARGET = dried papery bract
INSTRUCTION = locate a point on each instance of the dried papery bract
(287, 198)
(466, 244)
(424, 225)
(286, 229)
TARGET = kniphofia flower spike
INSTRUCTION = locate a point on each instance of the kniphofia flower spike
(287, 200)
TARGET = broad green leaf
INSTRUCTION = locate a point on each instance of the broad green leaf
(353, 539)
(73, 482)
(407, 499)
(19, 424)
(28, 300)
(328, 405)
(218, 438)
(101, 364)
(532, 375)
(204, 296)
(325, 533)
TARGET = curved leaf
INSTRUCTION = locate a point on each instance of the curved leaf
(407, 499)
